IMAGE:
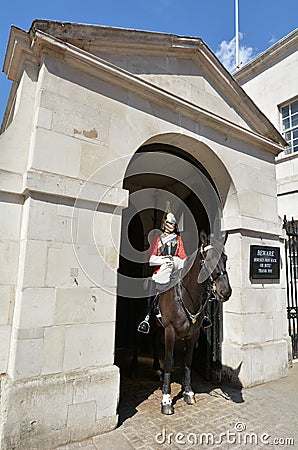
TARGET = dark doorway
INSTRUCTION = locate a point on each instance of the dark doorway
(130, 310)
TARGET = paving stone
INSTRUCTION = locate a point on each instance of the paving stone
(270, 408)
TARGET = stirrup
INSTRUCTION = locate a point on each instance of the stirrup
(144, 326)
(206, 322)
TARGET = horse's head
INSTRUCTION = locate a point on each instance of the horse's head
(214, 260)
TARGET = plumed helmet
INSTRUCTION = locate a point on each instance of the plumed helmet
(171, 218)
(169, 222)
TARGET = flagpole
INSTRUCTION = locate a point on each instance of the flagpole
(237, 33)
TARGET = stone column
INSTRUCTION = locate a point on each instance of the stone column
(61, 383)
(255, 346)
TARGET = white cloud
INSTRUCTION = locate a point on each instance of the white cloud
(272, 40)
(226, 53)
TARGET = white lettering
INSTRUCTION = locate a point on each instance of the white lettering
(192, 438)
(219, 440)
(169, 440)
(208, 438)
(179, 438)
(231, 437)
(265, 438)
(161, 435)
(265, 253)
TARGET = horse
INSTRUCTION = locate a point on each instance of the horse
(182, 313)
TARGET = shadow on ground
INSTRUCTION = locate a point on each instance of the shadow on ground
(133, 392)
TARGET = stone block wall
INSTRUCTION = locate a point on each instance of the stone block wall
(254, 321)
(10, 213)
(58, 283)
(44, 413)
(61, 231)
(59, 382)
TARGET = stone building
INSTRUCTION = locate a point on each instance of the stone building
(95, 115)
(271, 81)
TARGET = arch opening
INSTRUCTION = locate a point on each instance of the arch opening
(153, 172)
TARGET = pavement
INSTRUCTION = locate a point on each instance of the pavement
(223, 417)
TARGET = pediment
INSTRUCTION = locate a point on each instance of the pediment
(183, 67)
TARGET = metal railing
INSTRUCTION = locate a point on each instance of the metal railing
(291, 247)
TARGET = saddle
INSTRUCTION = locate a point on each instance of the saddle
(144, 326)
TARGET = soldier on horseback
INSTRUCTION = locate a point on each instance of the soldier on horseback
(168, 256)
(168, 253)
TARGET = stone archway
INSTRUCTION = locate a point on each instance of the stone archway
(208, 161)
(151, 170)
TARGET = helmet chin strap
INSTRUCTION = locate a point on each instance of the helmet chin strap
(169, 229)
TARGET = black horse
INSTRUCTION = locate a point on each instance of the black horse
(182, 313)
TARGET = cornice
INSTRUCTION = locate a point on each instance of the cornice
(237, 96)
(115, 39)
(62, 186)
(285, 158)
(18, 50)
(177, 49)
(129, 41)
(268, 58)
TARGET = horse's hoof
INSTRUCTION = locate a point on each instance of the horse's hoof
(167, 409)
(189, 398)
(166, 404)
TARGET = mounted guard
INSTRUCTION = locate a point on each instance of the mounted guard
(168, 252)
(168, 256)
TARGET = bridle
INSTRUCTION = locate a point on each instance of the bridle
(211, 288)
(212, 277)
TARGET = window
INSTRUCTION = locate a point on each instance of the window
(289, 115)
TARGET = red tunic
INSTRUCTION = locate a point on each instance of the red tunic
(156, 250)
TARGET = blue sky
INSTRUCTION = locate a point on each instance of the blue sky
(261, 22)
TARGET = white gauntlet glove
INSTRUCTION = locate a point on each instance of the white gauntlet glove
(159, 260)
(178, 262)
(168, 260)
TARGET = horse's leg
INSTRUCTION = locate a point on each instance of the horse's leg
(166, 404)
(135, 312)
(135, 359)
(156, 342)
(188, 394)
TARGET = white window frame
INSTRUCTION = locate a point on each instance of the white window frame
(290, 133)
